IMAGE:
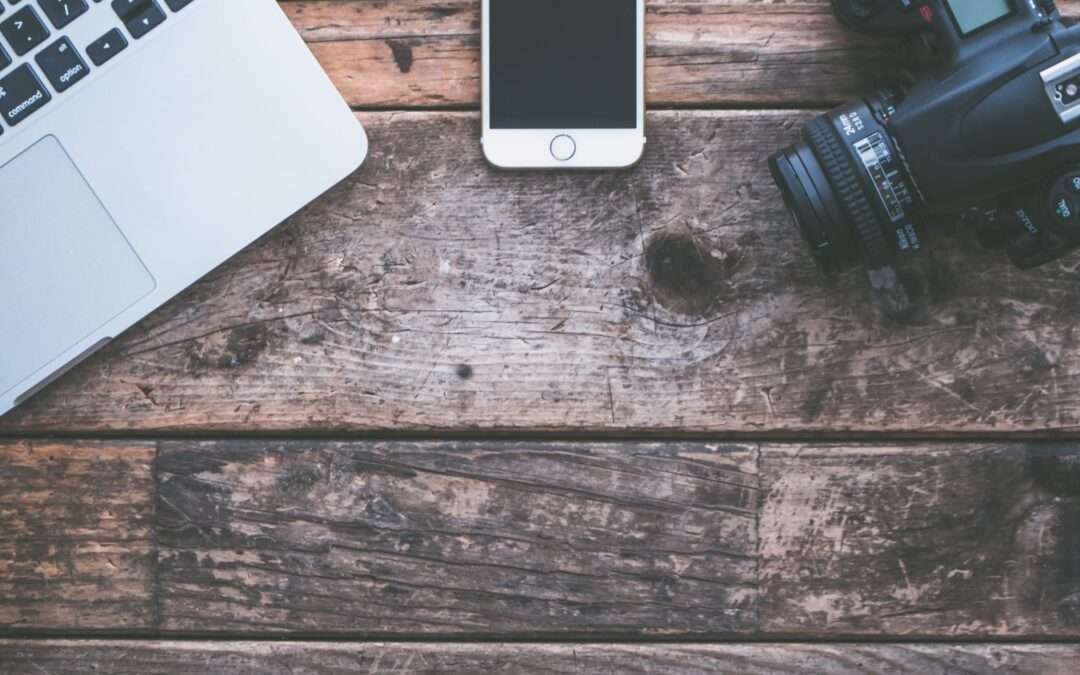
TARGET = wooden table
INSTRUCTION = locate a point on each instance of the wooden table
(453, 420)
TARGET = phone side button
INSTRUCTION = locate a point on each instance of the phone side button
(563, 148)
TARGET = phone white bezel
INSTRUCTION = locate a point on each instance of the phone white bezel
(531, 148)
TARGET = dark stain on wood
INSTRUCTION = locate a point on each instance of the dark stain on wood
(815, 402)
(312, 334)
(1033, 361)
(1056, 469)
(239, 347)
(687, 276)
(403, 54)
(1068, 542)
(300, 480)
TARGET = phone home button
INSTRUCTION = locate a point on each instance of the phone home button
(563, 148)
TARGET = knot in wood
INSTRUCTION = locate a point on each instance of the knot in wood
(687, 277)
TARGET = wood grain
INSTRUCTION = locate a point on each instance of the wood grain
(281, 658)
(700, 53)
(75, 535)
(431, 293)
(457, 538)
(515, 539)
(978, 540)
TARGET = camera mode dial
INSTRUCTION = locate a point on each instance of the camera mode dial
(1042, 225)
(1064, 205)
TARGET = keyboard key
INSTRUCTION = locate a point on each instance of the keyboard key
(5, 60)
(140, 16)
(177, 5)
(107, 46)
(128, 9)
(24, 30)
(63, 12)
(62, 64)
(21, 94)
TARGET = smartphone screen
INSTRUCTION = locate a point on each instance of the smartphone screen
(563, 64)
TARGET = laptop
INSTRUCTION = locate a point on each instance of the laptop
(143, 143)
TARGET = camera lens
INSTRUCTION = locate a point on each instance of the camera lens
(847, 190)
(814, 207)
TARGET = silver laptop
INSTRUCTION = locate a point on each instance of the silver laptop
(143, 143)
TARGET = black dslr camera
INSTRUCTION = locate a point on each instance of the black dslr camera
(983, 126)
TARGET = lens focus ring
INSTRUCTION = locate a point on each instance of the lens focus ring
(840, 170)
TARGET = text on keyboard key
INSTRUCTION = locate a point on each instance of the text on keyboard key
(62, 64)
(24, 30)
(63, 12)
(145, 21)
(107, 46)
(21, 95)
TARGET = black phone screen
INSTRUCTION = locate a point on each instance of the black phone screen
(563, 64)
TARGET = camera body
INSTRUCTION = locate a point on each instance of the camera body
(984, 126)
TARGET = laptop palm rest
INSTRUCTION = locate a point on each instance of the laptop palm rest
(66, 270)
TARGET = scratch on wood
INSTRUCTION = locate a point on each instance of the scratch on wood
(611, 397)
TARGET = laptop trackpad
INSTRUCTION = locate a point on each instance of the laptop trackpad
(65, 268)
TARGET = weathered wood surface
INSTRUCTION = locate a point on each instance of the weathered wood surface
(429, 292)
(75, 535)
(426, 53)
(295, 658)
(942, 539)
(526, 539)
(508, 539)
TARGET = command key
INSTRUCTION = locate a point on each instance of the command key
(21, 95)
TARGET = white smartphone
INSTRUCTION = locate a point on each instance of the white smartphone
(563, 83)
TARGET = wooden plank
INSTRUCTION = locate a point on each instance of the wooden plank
(273, 658)
(425, 53)
(469, 538)
(431, 293)
(932, 540)
(75, 536)
(522, 539)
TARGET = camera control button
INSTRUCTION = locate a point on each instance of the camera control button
(1072, 183)
(1064, 209)
(563, 148)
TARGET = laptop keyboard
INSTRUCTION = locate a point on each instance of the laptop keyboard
(29, 25)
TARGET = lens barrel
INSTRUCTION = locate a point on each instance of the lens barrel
(814, 206)
(847, 188)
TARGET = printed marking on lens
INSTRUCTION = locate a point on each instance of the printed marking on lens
(878, 162)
